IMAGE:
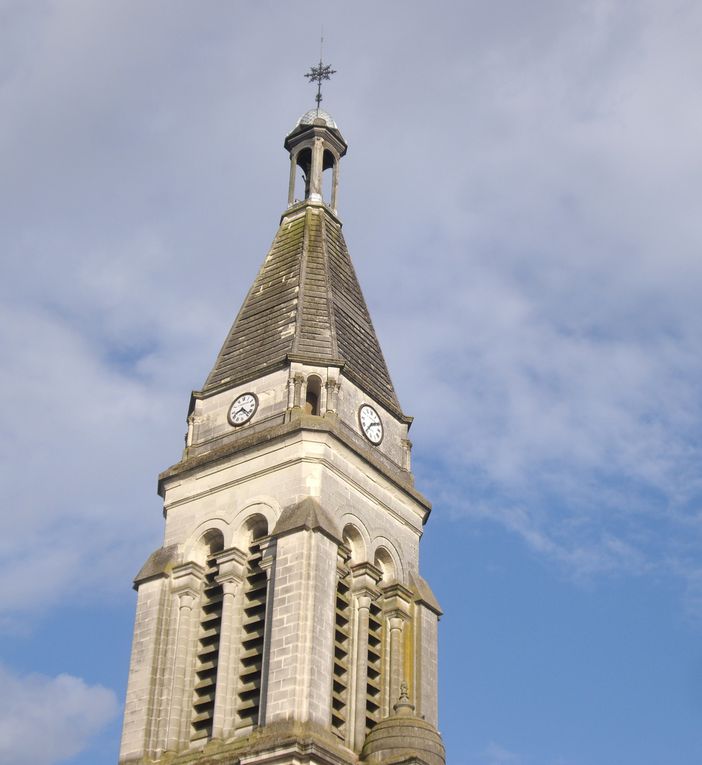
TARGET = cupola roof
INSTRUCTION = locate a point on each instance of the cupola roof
(404, 738)
(310, 118)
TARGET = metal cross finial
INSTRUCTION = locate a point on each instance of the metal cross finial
(317, 74)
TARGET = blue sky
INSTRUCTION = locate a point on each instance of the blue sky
(521, 201)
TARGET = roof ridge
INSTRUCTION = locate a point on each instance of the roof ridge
(345, 302)
(330, 297)
(222, 370)
(306, 302)
(301, 281)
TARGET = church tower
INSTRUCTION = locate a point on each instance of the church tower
(285, 620)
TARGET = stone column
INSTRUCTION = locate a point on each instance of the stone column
(395, 624)
(335, 183)
(191, 427)
(332, 388)
(268, 554)
(232, 565)
(187, 586)
(316, 169)
(362, 604)
(291, 184)
(406, 454)
(298, 380)
(397, 609)
(363, 586)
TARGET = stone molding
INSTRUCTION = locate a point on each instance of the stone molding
(158, 564)
(308, 515)
(244, 441)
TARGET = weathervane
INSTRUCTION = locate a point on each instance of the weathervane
(318, 73)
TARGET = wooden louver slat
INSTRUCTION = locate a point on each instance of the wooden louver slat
(207, 655)
(341, 656)
(252, 637)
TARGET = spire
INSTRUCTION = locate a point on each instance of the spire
(306, 303)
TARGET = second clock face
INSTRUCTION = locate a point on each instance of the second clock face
(243, 408)
(371, 425)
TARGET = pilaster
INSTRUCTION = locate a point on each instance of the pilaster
(364, 580)
(301, 641)
(397, 611)
(187, 586)
(142, 702)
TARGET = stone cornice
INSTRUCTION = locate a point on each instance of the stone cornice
(400, 478)
(274, 744)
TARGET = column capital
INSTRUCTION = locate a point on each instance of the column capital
(364, 600)
(397, 600)
(364, 580)
(187, 580)
(232, 564)
(396, 621)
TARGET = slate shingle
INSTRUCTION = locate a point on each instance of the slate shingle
(306, 300)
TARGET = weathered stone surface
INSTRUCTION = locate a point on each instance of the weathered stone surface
(159, 563)
(307, 514)
(425, 594)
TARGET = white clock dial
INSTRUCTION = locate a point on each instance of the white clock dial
(243, 408)
(371, 425)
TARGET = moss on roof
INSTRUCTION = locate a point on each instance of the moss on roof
(306, 301)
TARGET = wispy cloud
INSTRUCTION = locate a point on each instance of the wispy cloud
(44, 720)
(527, 234)
(495, 754)
(558, 374)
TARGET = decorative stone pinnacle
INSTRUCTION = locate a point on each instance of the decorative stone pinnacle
(404, 706)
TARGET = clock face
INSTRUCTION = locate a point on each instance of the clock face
(243, 409)
(371, 425)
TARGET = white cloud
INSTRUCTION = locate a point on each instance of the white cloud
(558, 373)
(523, 209)
(44, 720)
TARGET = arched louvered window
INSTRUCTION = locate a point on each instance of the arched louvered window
(373, 681)
(252, 632)
(207, 651)
(342, 649)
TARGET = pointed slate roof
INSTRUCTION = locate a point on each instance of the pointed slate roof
(306, 304)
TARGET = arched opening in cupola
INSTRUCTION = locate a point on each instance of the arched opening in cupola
(329, 174)
(302, 170)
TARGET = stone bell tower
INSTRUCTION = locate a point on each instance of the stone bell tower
(284, 620)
